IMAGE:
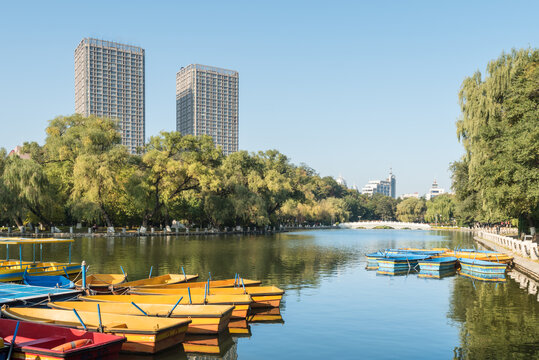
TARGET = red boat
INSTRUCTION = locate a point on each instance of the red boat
(38, 341)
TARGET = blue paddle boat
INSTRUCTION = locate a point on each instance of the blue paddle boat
(52, 281)
(482, 267)
(399, 262)
(438, 264)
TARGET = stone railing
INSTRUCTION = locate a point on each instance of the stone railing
(527, 249)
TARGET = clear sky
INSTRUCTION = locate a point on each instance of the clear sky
(347, 87)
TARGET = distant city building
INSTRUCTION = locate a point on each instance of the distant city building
(109, 82)
(207, 103)
(386, 187)
(410, 195)
(434, 191)
(340, 180)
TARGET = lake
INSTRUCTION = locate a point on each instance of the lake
(333, 306)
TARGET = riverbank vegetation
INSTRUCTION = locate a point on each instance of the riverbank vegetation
(497, 178)
(82, 174)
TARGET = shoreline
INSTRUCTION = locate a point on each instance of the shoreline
(164, 233)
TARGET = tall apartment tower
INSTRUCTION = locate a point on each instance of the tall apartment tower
(207, 103)
(109, 82)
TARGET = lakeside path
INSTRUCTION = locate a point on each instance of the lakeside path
(527, 266)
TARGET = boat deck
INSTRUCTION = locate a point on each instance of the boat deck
(15, 294)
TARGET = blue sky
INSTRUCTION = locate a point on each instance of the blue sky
(347, 87)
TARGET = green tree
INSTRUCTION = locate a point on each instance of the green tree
(441, 209)
(499, 129)
(411, 210)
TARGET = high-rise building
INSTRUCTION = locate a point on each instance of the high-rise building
(386, 187)
(109, 82)
(207, 103)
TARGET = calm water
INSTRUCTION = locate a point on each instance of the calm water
(333, 306)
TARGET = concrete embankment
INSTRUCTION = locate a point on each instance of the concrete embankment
(525, 253)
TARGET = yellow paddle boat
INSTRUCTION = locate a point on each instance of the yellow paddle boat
(205, 319)
(143, 334)
(11, 270)
(102, 283)
(241, 303)
(161, 280)
(263, 296)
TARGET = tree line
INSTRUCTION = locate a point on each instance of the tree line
(82, 173)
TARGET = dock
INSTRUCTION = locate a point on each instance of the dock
(17, 294)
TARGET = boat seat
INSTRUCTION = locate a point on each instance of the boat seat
(43, 342)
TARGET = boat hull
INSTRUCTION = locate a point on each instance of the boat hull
(16, 272)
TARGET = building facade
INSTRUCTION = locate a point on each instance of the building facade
(385, 187)
(207, 103)
(434, 191)
(109, 82)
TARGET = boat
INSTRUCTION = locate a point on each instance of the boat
(438, 264)
(205, 319)
(482, 266)
(13, 270)
(241, 303)
(143, 334)
(403, 262)
(238, 282)
(52, 281)
(208, 344)
(483, 276)
(102, 283)
(263, 296)
(483, 255)
(161, 280)
(40, 341)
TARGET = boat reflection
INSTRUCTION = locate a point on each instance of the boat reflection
(239, 328)
(268, 316)
(410, 271)
(371, 266)
(482, 276)
(433, 274)
(208, 344)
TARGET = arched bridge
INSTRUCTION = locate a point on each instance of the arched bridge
(384, 224)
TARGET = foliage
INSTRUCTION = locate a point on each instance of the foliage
(441, 209)
(411, 210)
(499, 129)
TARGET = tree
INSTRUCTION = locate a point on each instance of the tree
(172, 165)
(440, 209)
(411, 210)
(499, 129)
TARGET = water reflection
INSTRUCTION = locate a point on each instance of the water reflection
(497, 320)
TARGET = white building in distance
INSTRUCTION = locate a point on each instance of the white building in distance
(434, 191)
(386, 187)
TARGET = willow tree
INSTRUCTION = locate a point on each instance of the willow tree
(499, 129)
